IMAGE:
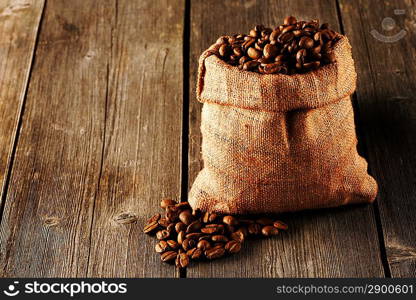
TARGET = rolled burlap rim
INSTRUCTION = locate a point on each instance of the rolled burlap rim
(276, 92)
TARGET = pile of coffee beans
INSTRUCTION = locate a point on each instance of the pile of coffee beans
(293, 47)
(185, 234)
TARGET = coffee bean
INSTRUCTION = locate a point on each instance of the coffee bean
(182, 260)
(161, 247)
(254, 229)
(224, 50)
(150, 228)
(237, 236)
(209, 217)
(172, 244)
(230, 220)
(209, 230)
(203, 245)
(280, 225)
(186, 217)
(188, 244)
(180, 227)
(181, 237)
(253, 53)
(219, 238)
(215, 252)
(162, 234)
(270, 51)
(195, 253)
(172, 214)
(155, 218)
(290, 20)
(165, 203)
(250, 65)
(306, 42)
(269, 230)
(194, 235)
(233, 247)
(194, 226)
(256, 51)
(168, 256)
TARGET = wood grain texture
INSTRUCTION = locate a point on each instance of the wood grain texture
(100, 141)
(19, 23)
(386, 98)
(45, 231)
(142, 152)
(338, 242)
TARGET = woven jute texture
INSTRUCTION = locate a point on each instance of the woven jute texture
(276, 143)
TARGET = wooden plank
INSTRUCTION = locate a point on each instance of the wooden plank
(387, 72)
(46, 224)
(19, 24)
(142, 153)
(338, 242)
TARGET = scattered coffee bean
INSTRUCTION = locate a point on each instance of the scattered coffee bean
(269, 230)
(185, 234)
(233, 246)
(257, 50)
(168, 256)
(165, 203)
(182, 260)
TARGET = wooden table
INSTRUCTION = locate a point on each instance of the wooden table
(99, 121)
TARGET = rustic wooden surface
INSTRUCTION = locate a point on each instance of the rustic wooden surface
(99, 121)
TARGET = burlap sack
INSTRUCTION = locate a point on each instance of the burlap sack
(276, 143)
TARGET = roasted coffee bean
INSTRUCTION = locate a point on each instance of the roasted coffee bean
(237, 236)
(194, 226)
(172, 244)
(306, 42)
(182, 260)
(180, 227)
(165, 203)
(254, 229)
(215, 252)
(256, 51)
(224, 50)
(150, 228)
(269, 230)
(290, 20)
(155, 218)
(209, 230)
(209, 217)
(272, 68)
(250, 65)
(162, 234)
(280, 225)
(172, 214)
(253, 53)
(188, 244)
(183, 205)
(194, 235)
(181, 237)
(161, 247)
(203, 245)
(164, 222)
(168, 256)
(195, 253)
(230, 220)
(233, 247)
(219, 238)
(186, 217)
